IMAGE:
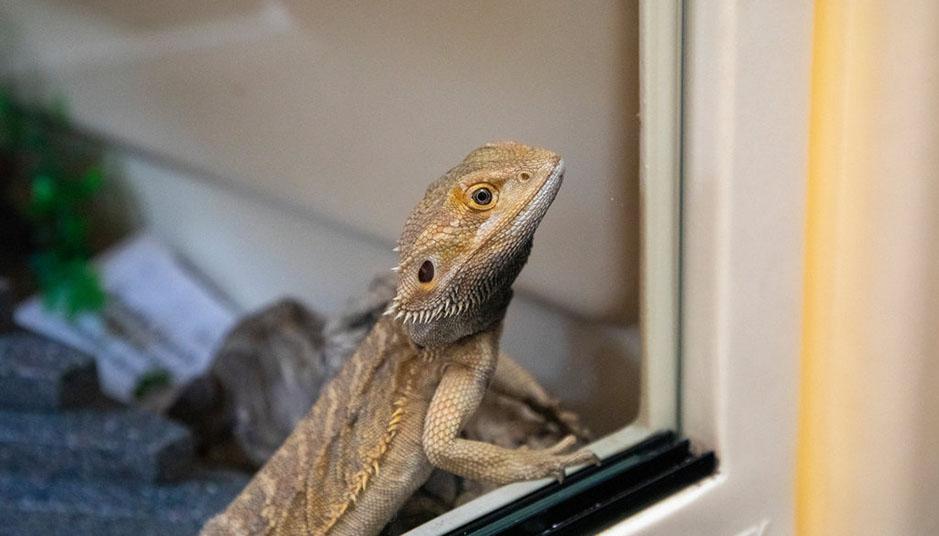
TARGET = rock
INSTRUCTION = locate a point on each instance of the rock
(38, 374)
(270, 370)
(265, 377)
(345, 332)
(127, 444)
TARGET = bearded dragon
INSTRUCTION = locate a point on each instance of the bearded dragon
(396, 409)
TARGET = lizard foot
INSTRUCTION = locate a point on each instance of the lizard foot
(553, 460)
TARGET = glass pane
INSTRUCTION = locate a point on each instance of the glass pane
(204, 200)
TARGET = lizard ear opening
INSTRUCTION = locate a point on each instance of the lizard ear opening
(425, 274)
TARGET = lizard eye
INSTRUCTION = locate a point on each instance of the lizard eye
(481, 196)
(425, 274)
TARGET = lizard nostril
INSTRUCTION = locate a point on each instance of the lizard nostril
(524, 176)
(426, 272)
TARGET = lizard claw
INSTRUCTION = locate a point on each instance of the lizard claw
(558, 460)
(580, 457)
(583, 457)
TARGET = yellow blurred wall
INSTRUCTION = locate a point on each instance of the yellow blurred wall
(868, 451)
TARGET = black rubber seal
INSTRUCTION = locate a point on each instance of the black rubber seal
(596, 497)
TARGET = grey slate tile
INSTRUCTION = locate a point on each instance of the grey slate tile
(128, 444)
(39, 374)
(30, 506)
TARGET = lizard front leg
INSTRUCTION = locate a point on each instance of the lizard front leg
(455, 400)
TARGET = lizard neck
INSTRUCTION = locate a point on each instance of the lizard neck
(449, 330)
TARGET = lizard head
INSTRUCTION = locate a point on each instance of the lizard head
(469, 237)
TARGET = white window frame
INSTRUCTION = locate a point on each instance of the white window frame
(725, 86)
(746, 103)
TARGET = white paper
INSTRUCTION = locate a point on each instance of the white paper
(157, 317)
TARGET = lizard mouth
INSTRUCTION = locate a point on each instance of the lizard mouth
(540, 199)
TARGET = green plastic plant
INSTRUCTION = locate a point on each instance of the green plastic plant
(60, 176)
(61, 180)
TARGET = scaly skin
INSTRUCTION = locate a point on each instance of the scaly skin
(397, 407)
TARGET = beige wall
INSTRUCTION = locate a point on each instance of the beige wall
(350, 109)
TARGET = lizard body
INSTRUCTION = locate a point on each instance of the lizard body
(396, 409)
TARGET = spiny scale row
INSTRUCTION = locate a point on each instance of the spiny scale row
(431, 315)
(371, 465)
